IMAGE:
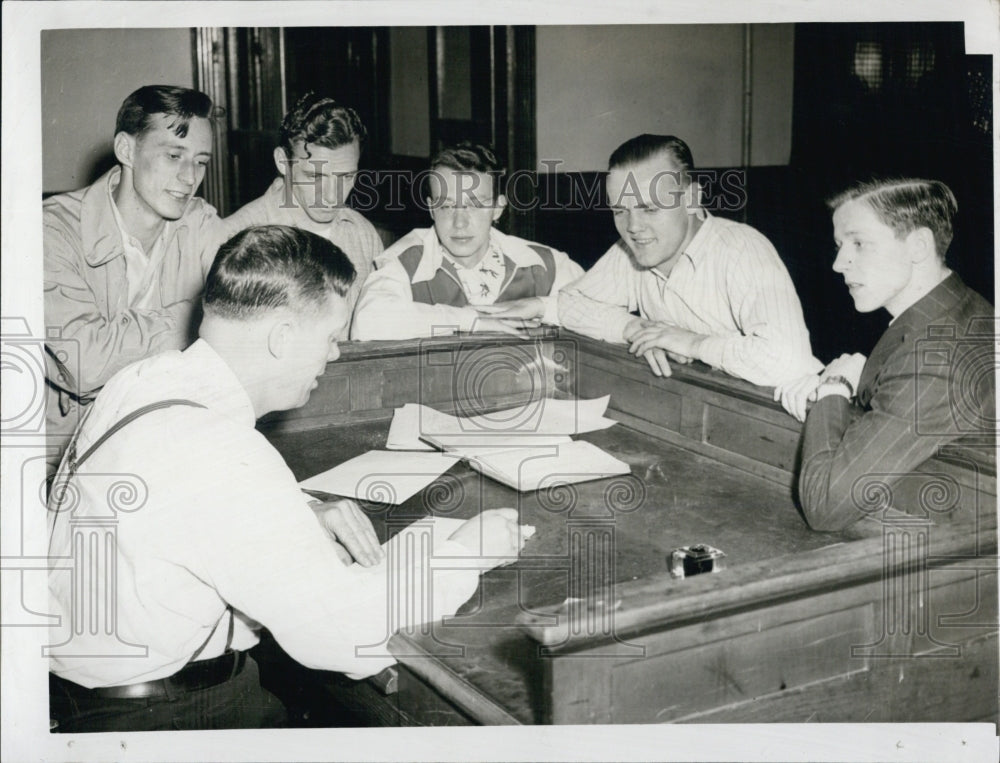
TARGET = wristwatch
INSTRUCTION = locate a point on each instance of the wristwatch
(838, 379)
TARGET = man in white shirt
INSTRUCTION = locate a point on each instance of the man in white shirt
(195, 530)
(462, 274)
(706, 288)
(319, 147)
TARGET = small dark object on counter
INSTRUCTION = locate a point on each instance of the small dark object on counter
(695, 559)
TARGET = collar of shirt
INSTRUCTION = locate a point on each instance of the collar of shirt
(937, 302)
(198, 374)
(695, 250)
(100, 231)
(286, 210)
(225, 394)
(696, 247)
(139, 264)
(207, 379)
(511, 247)
(482, 283)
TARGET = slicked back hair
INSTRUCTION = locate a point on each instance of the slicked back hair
(471, 157)
(646, 146)
(905, 204)
(181, 103)
(275, 266)
(320, 121)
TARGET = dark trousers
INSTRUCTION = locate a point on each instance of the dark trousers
(239, 703)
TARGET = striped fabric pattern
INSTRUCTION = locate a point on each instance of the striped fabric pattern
(929, 381)
(729, 284)
(349, 230)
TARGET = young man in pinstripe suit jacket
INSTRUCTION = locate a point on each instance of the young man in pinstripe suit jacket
(930, 378)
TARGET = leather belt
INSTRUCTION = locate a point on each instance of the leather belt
(194, 676)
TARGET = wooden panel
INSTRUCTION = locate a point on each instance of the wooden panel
(976, 488)
(578, 690)
(658, 601)
(332, 396)
(921, 689)
(962, 610)
(474, 374)
(750, 436)
(663, 688)
(366, 388)
(456, 375)
(709, 670)
(746, 464)
(719, 416)
(661, 408)
(411, 384)
(210, 77)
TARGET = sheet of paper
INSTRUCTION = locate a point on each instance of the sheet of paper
(539, 419)
(404, 431)
(441, 530)
(533, 469)
(470, 446)
(382, 476)
(546, 417)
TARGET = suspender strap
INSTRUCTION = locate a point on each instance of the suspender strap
(75, 463)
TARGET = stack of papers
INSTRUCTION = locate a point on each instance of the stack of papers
(527, 448)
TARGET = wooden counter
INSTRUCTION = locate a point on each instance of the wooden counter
(892, 620)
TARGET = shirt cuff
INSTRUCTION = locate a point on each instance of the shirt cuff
(447, 319)
(711, 349)
(615, 328)
(551, 313)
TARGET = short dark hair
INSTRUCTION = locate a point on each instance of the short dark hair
(905, 204)
(322, 121)
(273, 266)
(182, 103)
(471, 157)
(645, 146)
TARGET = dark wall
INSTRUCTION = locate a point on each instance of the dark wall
(881, 100)
(923, 109)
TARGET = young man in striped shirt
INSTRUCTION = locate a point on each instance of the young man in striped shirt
(319, 147)
(706, 288)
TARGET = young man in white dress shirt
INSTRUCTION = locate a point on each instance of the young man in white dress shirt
(462, 274)
(215, 536)
(705, 288)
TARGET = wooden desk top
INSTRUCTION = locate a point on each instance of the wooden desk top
(713, 461)
(673, 498)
